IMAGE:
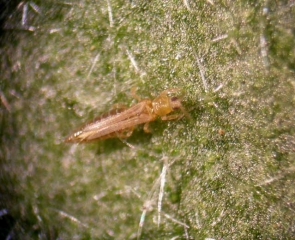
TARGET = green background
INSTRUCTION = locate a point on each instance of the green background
(228, 173)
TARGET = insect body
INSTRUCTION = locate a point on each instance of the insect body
(121, 121)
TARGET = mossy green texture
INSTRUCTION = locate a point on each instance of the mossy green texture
(226, 173)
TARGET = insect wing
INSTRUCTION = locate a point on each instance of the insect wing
(118, 122)
(76, 136)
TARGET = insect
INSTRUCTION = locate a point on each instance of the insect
(121, 121)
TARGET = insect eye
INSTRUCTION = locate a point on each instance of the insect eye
(175, 103)
(173, 99)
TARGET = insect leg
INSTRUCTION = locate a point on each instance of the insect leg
(125, 134)
(134, 94)
(146, 128)
(119, 106)
(172, 117)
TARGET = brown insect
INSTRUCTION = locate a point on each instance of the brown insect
(121, 121)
